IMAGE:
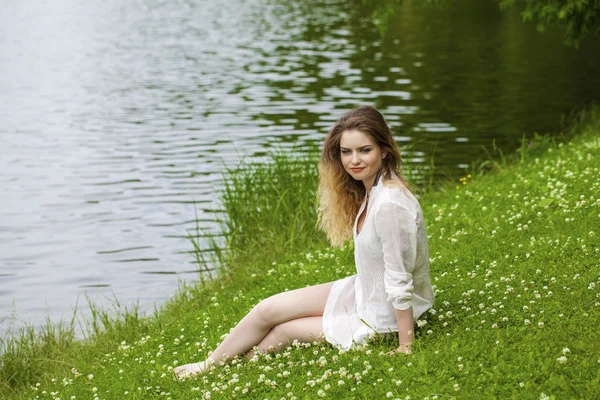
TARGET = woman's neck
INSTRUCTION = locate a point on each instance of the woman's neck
(369, 185)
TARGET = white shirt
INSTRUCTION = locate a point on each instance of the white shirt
(392, 265)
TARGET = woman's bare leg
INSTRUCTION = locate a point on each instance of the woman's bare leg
(252, 329)
(307, 329)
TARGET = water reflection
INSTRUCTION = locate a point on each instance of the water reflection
(119, 117)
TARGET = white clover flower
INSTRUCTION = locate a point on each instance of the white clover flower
(562, 359)
(566, 351)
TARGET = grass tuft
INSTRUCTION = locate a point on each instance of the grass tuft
(271, 205)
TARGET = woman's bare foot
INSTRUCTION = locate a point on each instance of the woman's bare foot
(188, 370)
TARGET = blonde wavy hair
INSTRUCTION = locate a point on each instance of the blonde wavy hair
(339, 196)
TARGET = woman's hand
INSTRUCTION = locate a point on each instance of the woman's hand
(404, 348)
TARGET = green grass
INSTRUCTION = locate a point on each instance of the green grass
(271, 205)
(515, 260)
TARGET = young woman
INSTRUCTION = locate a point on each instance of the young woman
(362, 196)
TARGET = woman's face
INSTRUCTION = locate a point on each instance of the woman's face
(361, 157)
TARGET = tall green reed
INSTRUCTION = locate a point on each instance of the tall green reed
(269, 206)
(25, 356)
(31, 353)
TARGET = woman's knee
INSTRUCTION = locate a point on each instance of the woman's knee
(266, 311)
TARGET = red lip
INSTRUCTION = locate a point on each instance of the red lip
(357, 169)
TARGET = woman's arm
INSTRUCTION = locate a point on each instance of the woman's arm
(396, 227)
(404, 318)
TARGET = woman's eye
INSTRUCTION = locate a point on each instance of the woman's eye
(346, 152)
(365, 150)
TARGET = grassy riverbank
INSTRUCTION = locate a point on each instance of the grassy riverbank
(515, 258)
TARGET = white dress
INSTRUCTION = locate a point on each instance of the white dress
(392, 270)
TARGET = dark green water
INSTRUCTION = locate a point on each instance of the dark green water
(117, 116)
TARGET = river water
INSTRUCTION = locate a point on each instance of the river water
(117, 119)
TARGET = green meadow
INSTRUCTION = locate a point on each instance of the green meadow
(515, 260)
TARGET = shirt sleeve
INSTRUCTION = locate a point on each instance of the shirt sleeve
(396, 226)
